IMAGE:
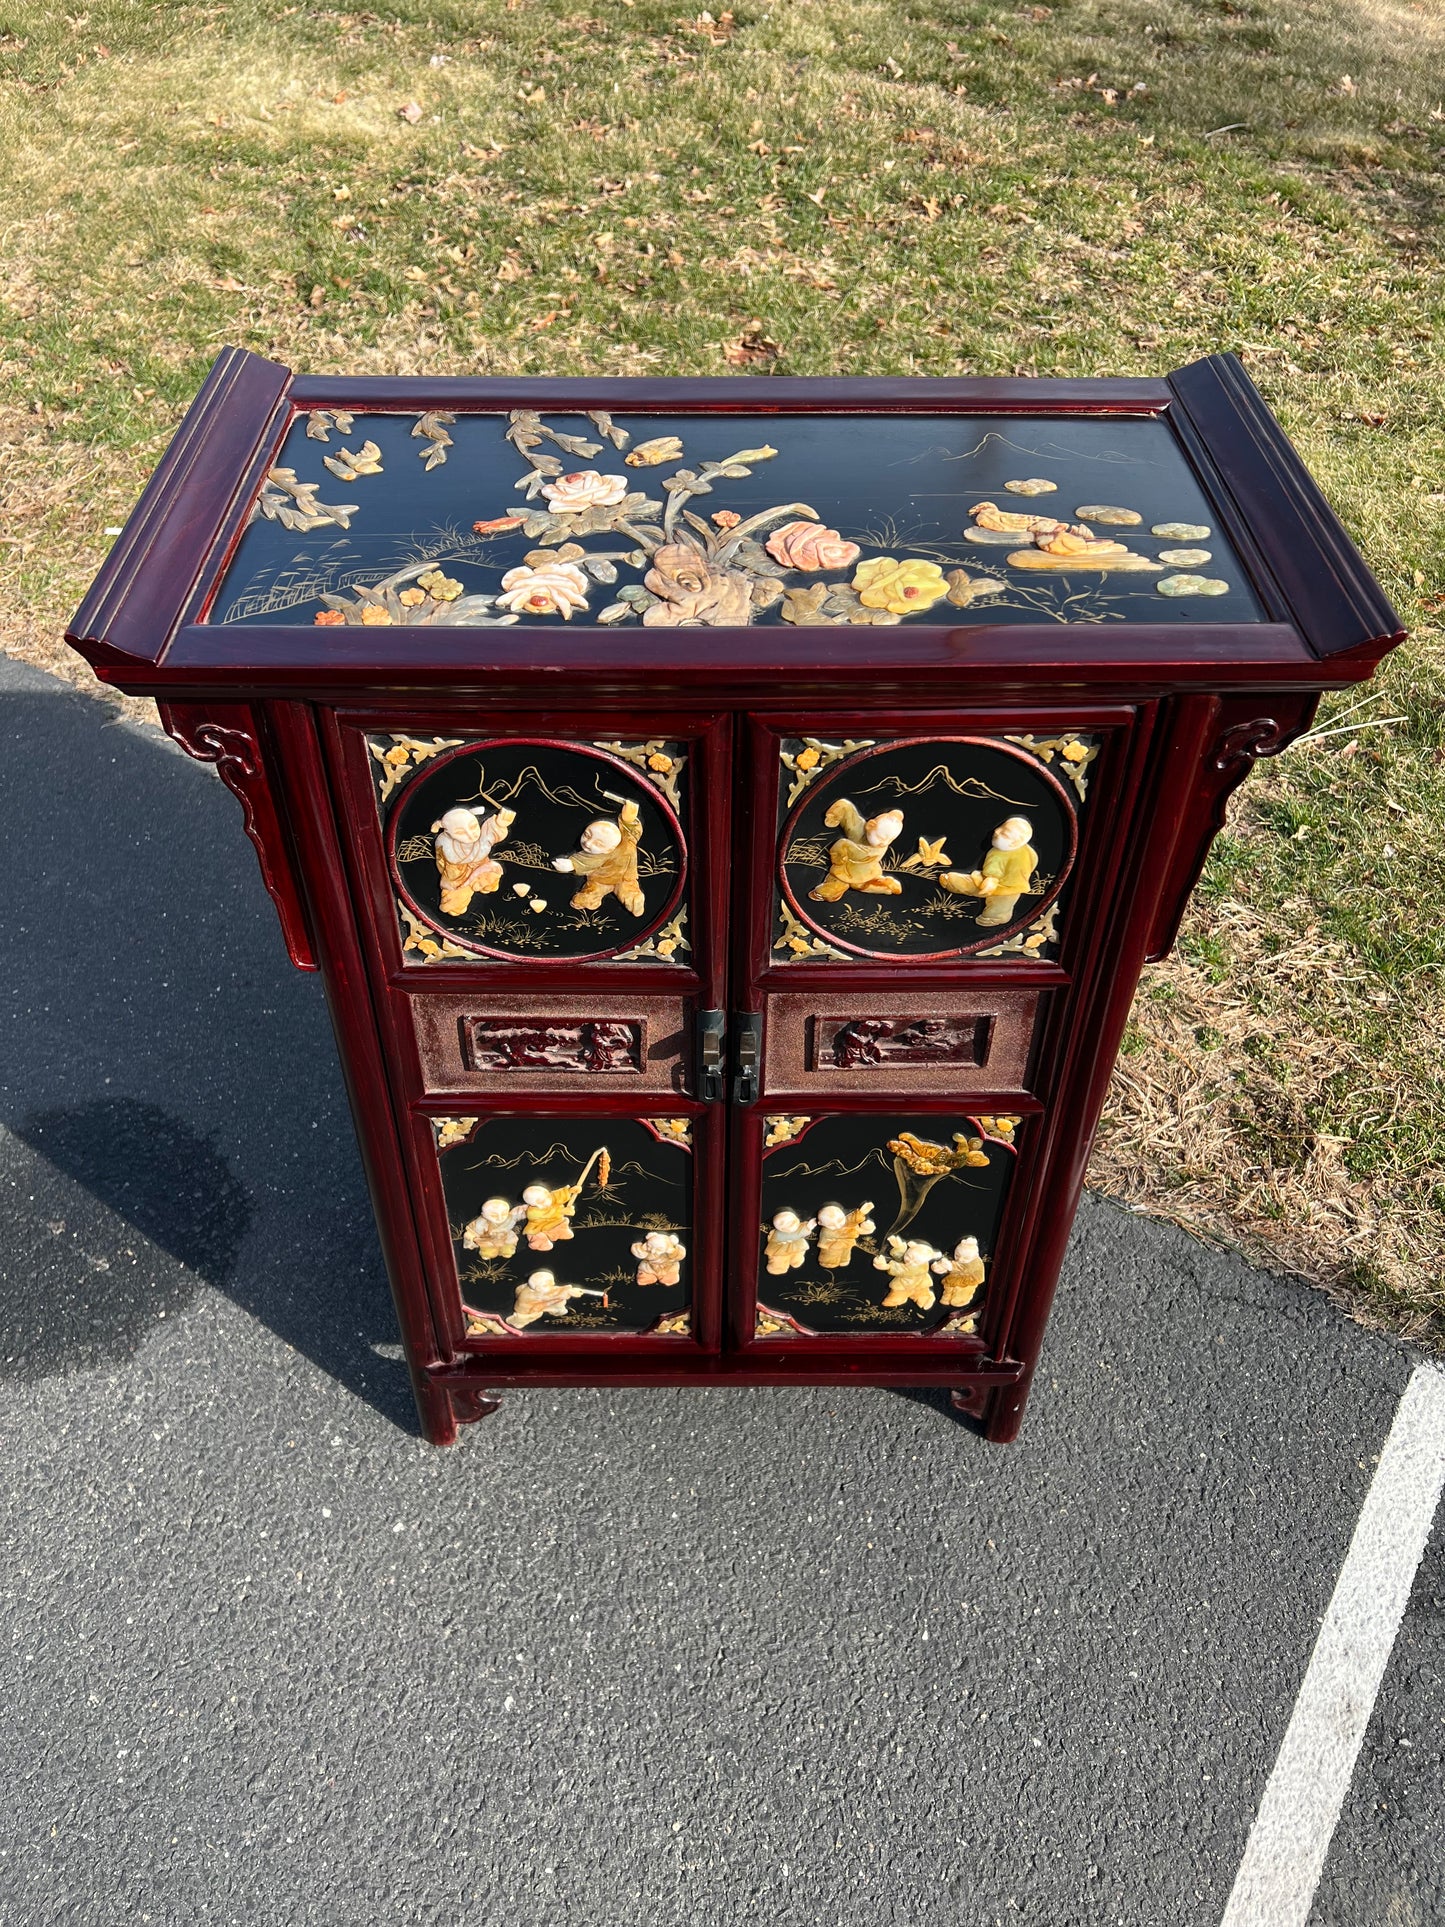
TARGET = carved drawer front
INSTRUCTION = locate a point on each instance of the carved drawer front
(877, 1041)
(880, 1222)
(522, 849)
(568, 1226)
(926, 848)
(526, 1043)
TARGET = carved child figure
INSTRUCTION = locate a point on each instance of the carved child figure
(855, 861)
(1007, 872)
(787, 1245)
(659, 1256)
(549, 1207)
(839, 1231)
(962, 1274)
(464, 844)
(607, 860)
(907, 1265)
(542, 1296)
(493, 1233)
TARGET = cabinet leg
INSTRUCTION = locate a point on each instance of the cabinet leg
(971, 1401)
(470, 1405)
(996, 1410)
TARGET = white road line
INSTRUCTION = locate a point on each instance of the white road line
(1300, 1809)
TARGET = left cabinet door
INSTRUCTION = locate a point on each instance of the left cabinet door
(545, 930)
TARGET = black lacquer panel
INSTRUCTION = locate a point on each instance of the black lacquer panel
(890, 851)
(835, 519)
(488, 881)
(929, 1182)
(569, 1197)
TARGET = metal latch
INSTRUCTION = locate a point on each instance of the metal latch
(747, 1049)
(711, 1034)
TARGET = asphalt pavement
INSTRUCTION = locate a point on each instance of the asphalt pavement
(729, 1656)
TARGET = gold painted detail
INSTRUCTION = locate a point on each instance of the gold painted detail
(1075, 753)
(1030, 942)
(782, 1130)
(452, 1130)
(665, 943)
(660, 761)
(673, 1130)
(801, 941)
(425, 943)
(958, 1325)
(999, 1127)
(676, 1324)
(813, 758)
(777, 1324)
(397, 756)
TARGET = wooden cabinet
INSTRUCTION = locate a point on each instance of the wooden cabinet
(730, 819)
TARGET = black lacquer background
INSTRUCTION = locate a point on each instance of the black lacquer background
(996, 782)
(845, 1159)
(556, 791)
(650, 1190)
(898, 485)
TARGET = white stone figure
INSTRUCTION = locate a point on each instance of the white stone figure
(787, 1245)
(962, 1274)
(543, 1297)
(907, 1263)
(839, 1231)
(549, 1209)
(493, 1232)
(659, 1256)
(1007, 873)
(464, 844)
(606, 860)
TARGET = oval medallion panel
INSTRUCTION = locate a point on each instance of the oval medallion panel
(930, 847)
(532, 850)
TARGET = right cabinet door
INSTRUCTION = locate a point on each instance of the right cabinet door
(918, 893)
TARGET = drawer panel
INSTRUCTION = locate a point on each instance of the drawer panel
(938, 1041)
(525, 1044)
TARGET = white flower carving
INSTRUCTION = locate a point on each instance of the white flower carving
(556, 589)
(584, 490)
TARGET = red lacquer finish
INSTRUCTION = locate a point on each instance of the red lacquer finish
(1179, 712)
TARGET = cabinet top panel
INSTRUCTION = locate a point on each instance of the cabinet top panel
(329, 535)
(427, 519)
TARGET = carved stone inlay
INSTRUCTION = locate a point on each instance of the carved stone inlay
(861, 1043)
(601, 1045)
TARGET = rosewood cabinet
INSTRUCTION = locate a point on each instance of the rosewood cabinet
(730, 819)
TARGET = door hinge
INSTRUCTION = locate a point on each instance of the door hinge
(747, 1052)
(711, 1070)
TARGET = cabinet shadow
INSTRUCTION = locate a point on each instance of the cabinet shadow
(164, 1061)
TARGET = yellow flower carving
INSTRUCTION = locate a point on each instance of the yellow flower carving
(444, 587)
(899, 587)
(807, 758)
(375, 617)
(662, 764)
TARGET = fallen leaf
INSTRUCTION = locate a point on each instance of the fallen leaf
(751, 347)
(411, 113)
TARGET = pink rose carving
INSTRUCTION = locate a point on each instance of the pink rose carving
(809, 545)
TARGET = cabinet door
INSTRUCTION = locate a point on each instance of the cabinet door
(915, 891)
(547, 1000)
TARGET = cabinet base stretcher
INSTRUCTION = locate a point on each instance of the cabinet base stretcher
(734, 1008)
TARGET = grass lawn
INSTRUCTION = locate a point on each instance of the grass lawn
(850, 188)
